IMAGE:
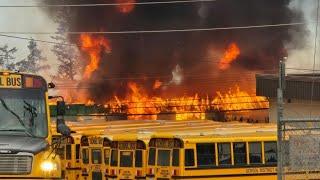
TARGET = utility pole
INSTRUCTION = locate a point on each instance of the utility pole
(280, 117)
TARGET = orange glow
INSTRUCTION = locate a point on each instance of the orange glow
(141, 106)
(125, 8)
(157, 84)
(235, 99)
(90, 102)
(93, 46)
(229, 56)
(138, 104)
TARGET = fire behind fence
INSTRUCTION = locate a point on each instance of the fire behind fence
(233, 105)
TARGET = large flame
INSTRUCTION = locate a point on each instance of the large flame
(139, 105)
(125, 6)
(229, 56)
(93, 46)
(235, 99)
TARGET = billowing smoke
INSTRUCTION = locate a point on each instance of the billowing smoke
(147, 57)
(301, 48)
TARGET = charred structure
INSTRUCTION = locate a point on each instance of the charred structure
(151, 55)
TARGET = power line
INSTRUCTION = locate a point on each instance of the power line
(163, 30)
(38, 40)
(106, 4)
(5, 33)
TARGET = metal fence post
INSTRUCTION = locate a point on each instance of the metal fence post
(280, 117)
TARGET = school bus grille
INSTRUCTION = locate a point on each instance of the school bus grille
(15, 164)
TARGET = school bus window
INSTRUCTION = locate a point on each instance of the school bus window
(68, 152)
(96, 156)
(163, 157)
(77, 151)
(255, 153)
(189, 157)
(152, 156)
(126, 158)
(85, 156)
(224, 153)
(240, 153)
(175, 157)
(106, 156)
(270, 152)
(114, 157)
(138, 158)
(206, 155)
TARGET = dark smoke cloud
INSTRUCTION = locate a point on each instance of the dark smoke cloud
(144, 55)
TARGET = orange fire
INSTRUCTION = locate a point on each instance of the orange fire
(157, 84)
(141, 106)
(93, 46)
(125, 6)
(138, 104)
(229, 56)
(235, 100)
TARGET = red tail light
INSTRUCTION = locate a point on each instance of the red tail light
(113, 172)
(84, 170)
(175, 172)
(68, 165)
(151, 171)
(139, 173)
(107, 171)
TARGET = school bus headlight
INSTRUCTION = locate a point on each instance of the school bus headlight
(48, 166)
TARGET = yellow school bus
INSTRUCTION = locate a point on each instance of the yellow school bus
(72, 157)
(68, 149)
(128, 157)
(95, 154)
(25, 134)
(227, 155)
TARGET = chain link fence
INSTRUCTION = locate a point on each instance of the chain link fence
(300, 149)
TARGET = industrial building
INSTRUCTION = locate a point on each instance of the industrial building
(301, 94)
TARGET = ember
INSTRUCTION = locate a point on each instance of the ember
(126, 6)
(157, 84)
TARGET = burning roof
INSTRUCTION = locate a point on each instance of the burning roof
(161, 67)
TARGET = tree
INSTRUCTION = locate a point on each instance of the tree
(32, 63)
(7, 57)
(67, 54)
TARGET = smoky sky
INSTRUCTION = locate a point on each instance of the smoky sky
(151, 56)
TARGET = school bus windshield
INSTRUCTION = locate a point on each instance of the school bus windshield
(23, 112)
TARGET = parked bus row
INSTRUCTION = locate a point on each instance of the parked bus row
(169, 150)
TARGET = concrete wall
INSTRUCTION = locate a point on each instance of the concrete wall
(294, 108)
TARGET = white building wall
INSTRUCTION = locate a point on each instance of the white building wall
(295, 109)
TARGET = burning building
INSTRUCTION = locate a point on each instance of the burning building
(178, 72)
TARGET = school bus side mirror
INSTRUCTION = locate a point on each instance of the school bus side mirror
(62, 128)
(61, 108)
(51, 85)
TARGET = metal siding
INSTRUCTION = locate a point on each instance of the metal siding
(296, 87)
